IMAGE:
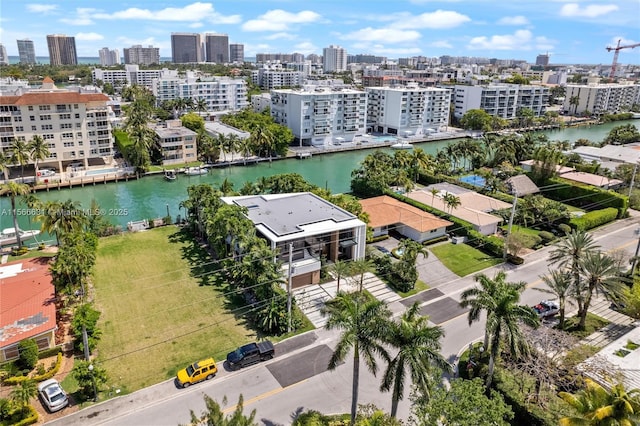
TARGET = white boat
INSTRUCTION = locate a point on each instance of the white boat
(194, 171)
(402, 145)
(8, 236)
(170, 175)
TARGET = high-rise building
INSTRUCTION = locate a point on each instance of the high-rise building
(217, 48)
(109, 57)
(62, 50)
(236, 53)
(4, 59)
(26, 51)
(334, 59)
(139, 55)
(542, 60)
(186, 48)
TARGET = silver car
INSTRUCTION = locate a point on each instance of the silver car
(52, 395)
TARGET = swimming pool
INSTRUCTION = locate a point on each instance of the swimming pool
(101, 172)
(384, 139)
(474, 180)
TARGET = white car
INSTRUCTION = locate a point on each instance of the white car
(546, 308)
(47, 172)
(52, 395)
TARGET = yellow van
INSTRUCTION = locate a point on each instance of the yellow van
(197, 372)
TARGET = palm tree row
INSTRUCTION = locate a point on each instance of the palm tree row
(22, 153)
(584, 271)
(368, 332)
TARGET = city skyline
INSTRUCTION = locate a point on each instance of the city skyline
(521, 29)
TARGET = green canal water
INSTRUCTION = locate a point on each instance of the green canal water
(151, 196)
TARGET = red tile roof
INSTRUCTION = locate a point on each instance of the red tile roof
(26, 300)
(50, 98)
(385, 211)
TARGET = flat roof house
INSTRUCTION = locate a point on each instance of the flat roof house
(313, 226)
(177, 143)
(387, 213)
(27, 308)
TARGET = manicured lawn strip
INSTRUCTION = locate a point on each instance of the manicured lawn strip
(522, 229)
(31, 254)
(159, 314)
(592, 324)
(462, 259)
(420, 286)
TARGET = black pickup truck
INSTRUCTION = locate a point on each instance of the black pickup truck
(250, 354)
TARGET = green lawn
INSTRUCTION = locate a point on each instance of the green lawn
(462, 259)
(592, 324)
(420, 286)
(521, 229)
(159, 313)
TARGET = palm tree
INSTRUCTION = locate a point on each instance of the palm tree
(24, 392)
(500, 300)
(364, 325)
(61, 218)
(451, 201)
(38, 150)
(244, 145)
(418, 346)
(263, 140)
(340, 269)
(568, 254)
(359, 268)
(559, 283)
(19, 155)
(598, 407)
(420, 160)
(4, 162)
(434, 192)
(201, 105)
(574, 101)
(14, 189)
(602, 275)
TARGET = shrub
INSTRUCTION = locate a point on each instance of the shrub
(546, 236)
(436, 240)
(585, 196)
(378, 238)
(30, 416)
(28, 350)
(515, 260)
(50, 352)
(564, 228)
(19, 251)
(40, 377)
(594, 218)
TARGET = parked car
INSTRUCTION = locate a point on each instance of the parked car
(52, 395)
(250, 354)
(384, 250)
(546, 308)
(46, 172)
(197, 372)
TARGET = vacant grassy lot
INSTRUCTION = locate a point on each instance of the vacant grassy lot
(159, 311)
(462, 259)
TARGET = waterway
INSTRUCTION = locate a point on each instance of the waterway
(152, 196)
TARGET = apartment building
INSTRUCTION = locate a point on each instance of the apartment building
(27, 51)
(334, 59)
(407, 111)
(600, 99)
(4, 58)
(131, 74)
(186, 48)
(274, 77)
(62, 50)
(217, 48)
(109, 57)
(236, 53)
(220, 93)
(73, 124)
(320, 116)
(177, 143)
(500, 100)
(139, 55)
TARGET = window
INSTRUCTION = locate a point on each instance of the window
(30, 108)
(32, 117)
(78, 125)
(44, 107)
(34, 128)
(47, 127)
(45, 117)
(17, 118)
(47, 136)
(19, 129)
(65, 126)
(77, 115)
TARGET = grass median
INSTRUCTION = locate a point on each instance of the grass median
(160, 309)
(462, 259)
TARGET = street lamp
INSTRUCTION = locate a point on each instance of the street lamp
(93, 380)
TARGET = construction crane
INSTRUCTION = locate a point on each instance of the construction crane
(617, 50)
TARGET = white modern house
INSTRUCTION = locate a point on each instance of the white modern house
(320, 116)
(305, 227)
(407, 111)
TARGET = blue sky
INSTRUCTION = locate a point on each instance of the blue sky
(572, 31)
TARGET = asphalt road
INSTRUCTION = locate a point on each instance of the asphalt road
(297, 379)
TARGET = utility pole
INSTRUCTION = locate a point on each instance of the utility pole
(633, 178)
(289, 272)
(513, 212)
(635, 256)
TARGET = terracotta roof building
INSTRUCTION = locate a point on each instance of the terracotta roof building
(27, 308)
(387, 213)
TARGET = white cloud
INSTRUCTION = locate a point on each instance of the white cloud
(41, 8)
(281, 36)
(520, 40)
(77, 21)
(279, 20)
(513, 20)
(590, 11)
(389, 35)
(192, 12)
(196, 25)
(306, 48)
(440, 19)
(89, 36)
(381, 49)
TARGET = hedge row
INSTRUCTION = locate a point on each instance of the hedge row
(586, 197)
(593, 219)
(30, 418)
(49, 374)
(50, 352)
